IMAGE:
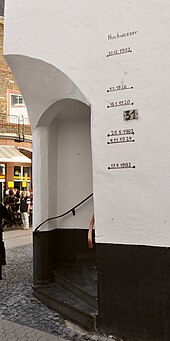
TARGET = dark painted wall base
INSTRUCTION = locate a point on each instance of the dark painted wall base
(133, 282)
(134, 291)
(57, 247)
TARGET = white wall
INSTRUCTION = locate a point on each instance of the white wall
(131, 205)
(40, 175)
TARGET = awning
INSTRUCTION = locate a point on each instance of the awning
(11, 154)
(25, 151)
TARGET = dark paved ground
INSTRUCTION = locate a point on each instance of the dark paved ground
(17, 304)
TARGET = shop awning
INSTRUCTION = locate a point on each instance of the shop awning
(11, 154)
(25, 151)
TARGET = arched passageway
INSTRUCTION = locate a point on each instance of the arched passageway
(70, 164)
(60, 117)
(64, 242)
(65, 144)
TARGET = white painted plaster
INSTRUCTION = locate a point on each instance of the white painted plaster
(40, 175)
(45, 85)
(65, 57)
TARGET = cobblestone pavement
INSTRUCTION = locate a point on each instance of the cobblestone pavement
(18, 305)
(11, 331)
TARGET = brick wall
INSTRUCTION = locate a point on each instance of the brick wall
(7, 82)
(9, 131)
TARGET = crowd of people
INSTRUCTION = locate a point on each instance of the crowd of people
(19, 204)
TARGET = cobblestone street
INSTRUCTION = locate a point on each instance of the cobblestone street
(18, 305)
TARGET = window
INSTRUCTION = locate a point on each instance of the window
(17, 171)
(26, 172)
(17, 111)
(2, 170)
(22, 172)
(16, 100)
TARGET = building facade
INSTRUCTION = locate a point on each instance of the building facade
(95, 79)
(15, 130)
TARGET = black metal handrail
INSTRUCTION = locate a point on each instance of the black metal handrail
(63, 214)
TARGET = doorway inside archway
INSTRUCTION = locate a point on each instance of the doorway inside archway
(70, 164)
(67, 261)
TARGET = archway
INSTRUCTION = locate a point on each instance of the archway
(65, 144)
(60, 117)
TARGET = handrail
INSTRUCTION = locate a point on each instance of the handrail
(63, 214)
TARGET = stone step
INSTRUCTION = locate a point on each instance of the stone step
(67, 304)
(89, 271)
(75, 281)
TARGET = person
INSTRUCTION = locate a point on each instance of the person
(17, 199)
(9, 200)
(24, 209)
(4, 214)
(31, 206)
(11, 203)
